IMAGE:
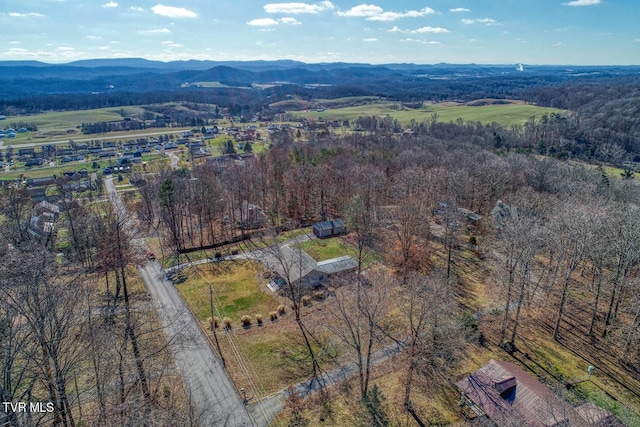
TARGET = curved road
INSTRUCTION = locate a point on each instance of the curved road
(208, 386)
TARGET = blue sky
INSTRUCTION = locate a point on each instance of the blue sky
(575, 32)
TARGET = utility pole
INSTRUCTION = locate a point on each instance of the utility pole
(213, 326)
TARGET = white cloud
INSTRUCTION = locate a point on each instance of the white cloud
(371, 39)
(396, 30)
(436, 30)
(558, 44)
(486, 21)
(173, 12)
(392, 16)
(109, 5)
(294, 8)
(263, 22)
(289, 21)
(155, 31)
(14, 42)
(269, 22)
(136, 9)
(90, 37)
(374, 12)
(459, 9)
(25, 15)
(169, 43)
(583, 3)
(431, 42)
(18, 50)
(65, 49)
(363, 10)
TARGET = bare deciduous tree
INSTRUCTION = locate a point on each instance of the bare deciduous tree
(358, 320)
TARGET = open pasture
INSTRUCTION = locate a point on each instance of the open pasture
(503, 114)
(70, 119)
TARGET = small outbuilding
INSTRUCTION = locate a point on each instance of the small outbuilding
(329, 228)
(323, 229)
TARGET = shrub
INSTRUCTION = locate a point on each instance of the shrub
(331, 291)
(318, 295)
(281, 309)
(227, 323)
(215, 323)
(306, 300)
(259, 319)
(273, 316)
(246, 321)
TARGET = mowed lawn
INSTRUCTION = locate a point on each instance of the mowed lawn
(235, 285)
(324, 249)
(503, 114)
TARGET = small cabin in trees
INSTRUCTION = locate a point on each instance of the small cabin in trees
(507, 395)
(329, 228)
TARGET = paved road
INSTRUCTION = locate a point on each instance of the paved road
(211, 390)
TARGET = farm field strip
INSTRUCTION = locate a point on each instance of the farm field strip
(71, 119)
(503, 114)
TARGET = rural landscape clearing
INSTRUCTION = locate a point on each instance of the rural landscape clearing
(406, 225)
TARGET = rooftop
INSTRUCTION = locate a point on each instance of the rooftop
(338, 265)
(298, 264)
(508, 394)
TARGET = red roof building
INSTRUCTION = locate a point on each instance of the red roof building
(509, 396)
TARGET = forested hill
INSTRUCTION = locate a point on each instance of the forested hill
(24, 79)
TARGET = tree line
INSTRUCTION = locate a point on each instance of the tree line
(76, 329)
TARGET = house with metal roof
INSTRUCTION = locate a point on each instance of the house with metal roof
(298, 266)
(508, 396)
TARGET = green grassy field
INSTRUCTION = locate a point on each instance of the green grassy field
(324, 249)
(236, 288)
(504, 114)
(71, 119)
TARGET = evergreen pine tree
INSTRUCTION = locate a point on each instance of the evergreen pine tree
(374, 402)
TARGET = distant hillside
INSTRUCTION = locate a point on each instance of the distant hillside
(97, 83)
